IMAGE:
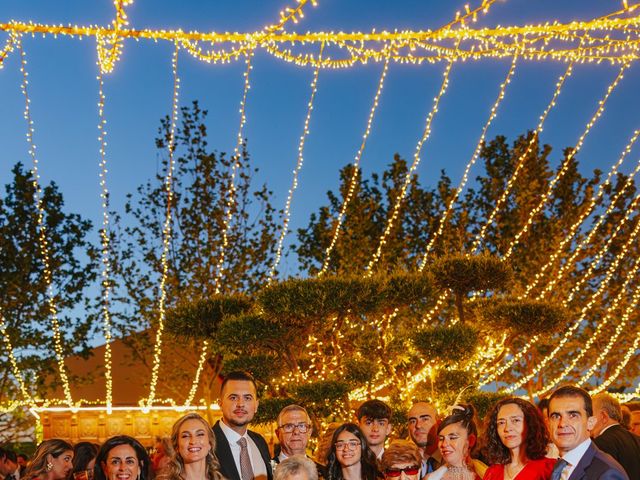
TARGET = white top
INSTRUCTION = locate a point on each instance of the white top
(257, 464)
(574, 456)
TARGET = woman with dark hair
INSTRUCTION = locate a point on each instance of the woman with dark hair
(84, 459)
(194, 448)
(51, 461)
(122, 458)
(350, 458)
(516, 442)
(457, 435)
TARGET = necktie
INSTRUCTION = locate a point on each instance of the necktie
(431, 464)
(246, 472)
(560, 470)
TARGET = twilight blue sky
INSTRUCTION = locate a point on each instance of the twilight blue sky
(64, 95)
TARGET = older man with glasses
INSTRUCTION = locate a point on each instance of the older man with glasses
(294, 430)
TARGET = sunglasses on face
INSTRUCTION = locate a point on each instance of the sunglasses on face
(395, 472)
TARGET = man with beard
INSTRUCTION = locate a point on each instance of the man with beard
(423, 423)
(243, 454)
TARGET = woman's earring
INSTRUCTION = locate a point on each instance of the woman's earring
(49, 466)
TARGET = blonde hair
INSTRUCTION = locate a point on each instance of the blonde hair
(175, 468)
(38, 466)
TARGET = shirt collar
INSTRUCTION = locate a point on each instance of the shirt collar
(230, 433)
(574, 456)
(607, 428)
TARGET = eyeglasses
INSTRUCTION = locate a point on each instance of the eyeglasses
(290, 427)
(352, 444)
(395, 472)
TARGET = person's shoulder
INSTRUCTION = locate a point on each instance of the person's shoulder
(607, 466)
(494, 472)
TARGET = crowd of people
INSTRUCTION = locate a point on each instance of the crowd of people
(569, 436)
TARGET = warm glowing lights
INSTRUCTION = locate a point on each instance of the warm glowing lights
(231, 192)
(599, 40)
(356, 165)
(566, 163)
(521, 159)
(472, 161)
(104, 238)
(548, 41)
(407, 180)
(42, 230)
(14, 363)
(296, 172)
(166, 235)
(574, 228)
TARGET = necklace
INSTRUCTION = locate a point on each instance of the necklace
(508, 475)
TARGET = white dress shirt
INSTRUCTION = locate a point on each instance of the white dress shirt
(257, 463)
(574, 456)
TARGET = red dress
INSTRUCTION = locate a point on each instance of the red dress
(533, 470)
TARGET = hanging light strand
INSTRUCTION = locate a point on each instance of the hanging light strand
(631, 352)
(602, 323)
(574, 227)
(42, 230)
(104, 238)
(228, 216)
(166, 233)
(231, 192)
(521, 159)
(592, 230)
(353, 182)
(196, 380)
(565, 165)
(584, 276)
(17, 373)
(296, 172)
(476, 153)
(407, 180)
(572, 329)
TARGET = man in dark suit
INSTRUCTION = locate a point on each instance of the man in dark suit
(613, 438)
(570, 420)
(9, 468)
(243, 454)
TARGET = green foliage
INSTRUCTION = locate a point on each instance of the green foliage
(199, 319)
(323, 398)
(300, 301)
(452, 380)
(530, 317)
(483, 401)
(73, 263)
(446, 345)
(359, 372)
(263, 367)
(400, 289)
(465, 274)
(269, 409)
(250, 332)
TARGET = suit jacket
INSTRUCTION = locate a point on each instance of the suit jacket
(597, 465)
(225, 457)
(622, 445)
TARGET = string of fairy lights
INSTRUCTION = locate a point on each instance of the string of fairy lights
(43, 240)
(471, 163)
(454, 42)
(166, 236)
(104, 239)
(575, 226)
(353, 182)
(296, 172)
